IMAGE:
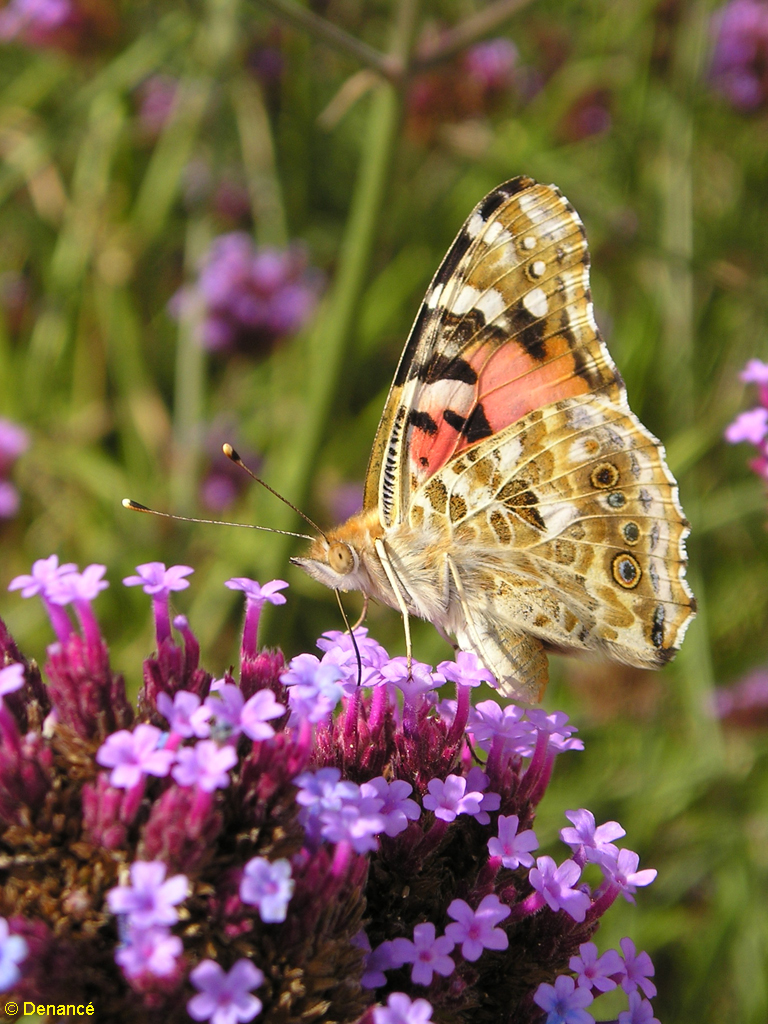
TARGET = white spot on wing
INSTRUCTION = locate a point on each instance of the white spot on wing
(538, 268)
(536, 302)
(529, 242)
(475, 225)
(491, 303)
(532, 207)
(434, 296)
(557, 517)
(496, 233)
(465, 300)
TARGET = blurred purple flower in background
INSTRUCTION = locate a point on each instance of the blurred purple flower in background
(752, 425)
(253, 296)
(156, 99)
(492, 64)
(14, 441)
(33, 21)
(739, 67)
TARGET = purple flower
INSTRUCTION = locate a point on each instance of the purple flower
(257, 711)
(755, 372)
(512, 846)
(563, 1002)
(131, 755)
(555, 885)
(74, 586)
(13, 951)
(185, 715)
(401, 1010)
(475, 930)
(225, 704)
(594, 972)
(428, 954)
(205, 765)
(315, 688)
(622, 872)
(489, 722)
(376, 962)
(252, 296)
(257, 594)
(9, 500)
(413, 682)
(637, 969)
(45, 575)
(596, 842)
(492, 63)
(225, 998)
(34, 20)
(478, 782)
(741, 45)
(640, 1011)
(153, 950)
(749, 426)
(555, 727)
(339, 650)
(269, 886)
(157, 99)
(467, 670)
(396, 809)
(449, 799)
(11, 679)
(155, 579)
(151, 899)
(14, 441)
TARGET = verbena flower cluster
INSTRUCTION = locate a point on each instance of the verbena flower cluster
(739, 65)
(752, 426)
(14, 441)
(252, 295)
(323, 840)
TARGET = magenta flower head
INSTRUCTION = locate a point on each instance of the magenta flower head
(256, 597)
(14, 441)
(307, 821)
(35, 22)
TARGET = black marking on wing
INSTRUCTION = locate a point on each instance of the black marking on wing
(529, 331)
(454, 419)
(452, 259)
(388, 469)
(441, 367)
(477, 426)
(411, 346)
(422, 421)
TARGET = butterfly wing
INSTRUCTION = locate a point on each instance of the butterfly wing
(564, 530)
(506, 328)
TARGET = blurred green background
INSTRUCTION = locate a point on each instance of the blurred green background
(134, 134)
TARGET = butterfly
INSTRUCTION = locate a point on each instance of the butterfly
(512, 498)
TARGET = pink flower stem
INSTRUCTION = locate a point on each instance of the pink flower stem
(460, 718)
(351, 715)
(536, 766)
(602, 903)
(379, 705)
(341, 859)
(527, 906)
(62, 626)
(88, 623)
(249, 646)
(162, 617)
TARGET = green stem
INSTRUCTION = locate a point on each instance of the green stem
(189, 381)
(332, 335)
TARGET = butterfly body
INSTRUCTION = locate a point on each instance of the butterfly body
(512, 498)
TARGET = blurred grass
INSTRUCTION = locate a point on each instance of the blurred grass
(103, 224)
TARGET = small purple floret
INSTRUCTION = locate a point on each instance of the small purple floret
(225, 998)
(268, 885)
(132, 755)
(151, 899)
(400, 1009)
(205, 765)
(475, 930)
(563, 1002)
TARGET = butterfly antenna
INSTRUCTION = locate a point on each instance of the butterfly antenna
(134, 506)
(351, 632)
(232, 455)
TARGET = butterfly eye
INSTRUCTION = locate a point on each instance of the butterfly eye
(340, 558)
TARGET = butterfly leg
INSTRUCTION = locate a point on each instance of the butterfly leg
(363, 613)
(381, 551)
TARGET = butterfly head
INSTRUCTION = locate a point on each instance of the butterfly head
(339, 559)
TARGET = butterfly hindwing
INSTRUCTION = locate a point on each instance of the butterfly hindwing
(565, 527)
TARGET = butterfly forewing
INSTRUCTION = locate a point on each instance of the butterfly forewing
(506, 327)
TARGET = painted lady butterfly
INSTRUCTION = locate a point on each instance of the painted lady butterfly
(512, 498)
